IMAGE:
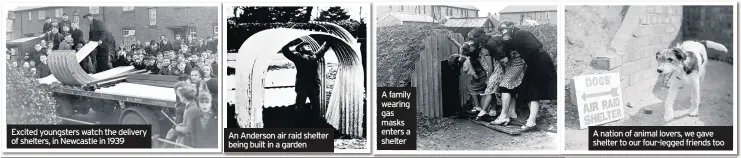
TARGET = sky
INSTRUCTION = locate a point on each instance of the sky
(484, 10)
(356, 12)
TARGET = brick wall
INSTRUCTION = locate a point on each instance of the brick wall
(550, 17)
(713, 23)
(22, 26)
(203, 19)
(645, 30)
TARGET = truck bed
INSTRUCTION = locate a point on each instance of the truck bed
(102, 75)
(140, 91)
(123, 91)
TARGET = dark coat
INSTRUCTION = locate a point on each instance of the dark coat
(213, 45)
(166, 47)
(153, 69)
(63, 23)
(77, 36)
(539, 82)
(42, 70)
(56, 38)
(121, 61)
(66, 46)
(98, 32)
(47, 27)
(176, 44)
(138, 65)
(307, 67)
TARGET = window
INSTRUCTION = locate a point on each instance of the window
(152, 16)
(94, 10)
(58, 12)
(192, 31)
(129, 37)
(128, 8)
(29, 16)
(127, 33)
(42, 14)
(216, 30)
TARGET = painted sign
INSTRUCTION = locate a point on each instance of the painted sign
(599, 99)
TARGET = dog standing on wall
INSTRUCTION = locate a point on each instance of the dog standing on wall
(685, 64)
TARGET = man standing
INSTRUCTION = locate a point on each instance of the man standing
(76, 34)
(65, 22)
(166, 45)
(47, 25)
(106, 43)
(54, 37)
(177, 42)
(307, 77)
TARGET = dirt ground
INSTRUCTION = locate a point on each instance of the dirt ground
(463, 134)
(716, 108)
(591, 30)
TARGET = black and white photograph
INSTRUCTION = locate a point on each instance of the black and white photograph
(109, 65)
(485, 73)
(299, 67)
(672, 66)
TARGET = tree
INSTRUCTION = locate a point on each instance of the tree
(236, 25)
(270, 14)
(333, 14)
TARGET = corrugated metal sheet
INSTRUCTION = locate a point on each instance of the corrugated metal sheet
(427, 75)
(466, 22)
(406, 17)
(528, 8)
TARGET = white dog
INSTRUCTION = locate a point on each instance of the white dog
(685, 64)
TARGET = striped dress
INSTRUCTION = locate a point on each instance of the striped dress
(508, 76)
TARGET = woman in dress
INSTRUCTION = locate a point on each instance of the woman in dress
(504, 78)
(476, 62)
(539, 80)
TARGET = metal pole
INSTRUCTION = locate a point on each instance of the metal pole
(173, 143)
(77, 121)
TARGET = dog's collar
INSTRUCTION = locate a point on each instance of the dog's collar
(670, 77)
(675, 76)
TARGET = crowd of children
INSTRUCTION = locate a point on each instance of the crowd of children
(193, 60)
(177, 57)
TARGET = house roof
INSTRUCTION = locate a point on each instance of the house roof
(530, 8)
(466, 22)
(23, 8)
(410, 17)
(493, 17)
(463, 6)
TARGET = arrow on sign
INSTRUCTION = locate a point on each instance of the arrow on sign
(612, 92)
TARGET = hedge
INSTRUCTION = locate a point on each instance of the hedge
(27, 101)
(398, 49)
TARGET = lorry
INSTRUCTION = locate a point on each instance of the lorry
(124, 94)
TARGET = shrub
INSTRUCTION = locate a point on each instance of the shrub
(27, 101)
(398, 49)
(546, 33)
